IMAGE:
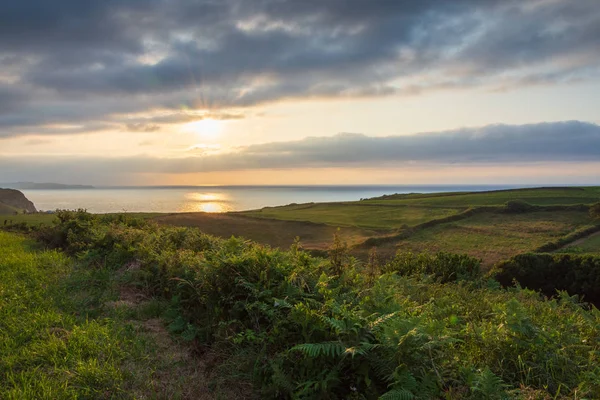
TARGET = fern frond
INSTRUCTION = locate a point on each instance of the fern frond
(489, 385)
(382, 319)
(337, 325)
(397, 394)
(313, 350)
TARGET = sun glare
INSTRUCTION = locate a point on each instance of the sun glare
(206, 128)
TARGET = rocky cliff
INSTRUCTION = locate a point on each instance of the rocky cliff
(16, 200)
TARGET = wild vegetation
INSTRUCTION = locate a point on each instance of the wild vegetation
(577, 274)
(296, 326)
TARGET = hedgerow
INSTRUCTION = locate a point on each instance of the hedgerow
(419, 327)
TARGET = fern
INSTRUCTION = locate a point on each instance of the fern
(489, 386)
(337, 325)
(314, 350)
(397, 394)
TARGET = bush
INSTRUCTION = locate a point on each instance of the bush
(595, 211)
(549, 273)
(518, 206)
(445, 267)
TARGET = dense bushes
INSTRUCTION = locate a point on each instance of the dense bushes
(595, 211)
(576, 274)
(446, 267)
(305, 327)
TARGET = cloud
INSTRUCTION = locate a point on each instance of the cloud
(139, 127)
(557, 142)
(72, 61)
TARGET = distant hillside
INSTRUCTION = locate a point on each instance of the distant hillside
(12, 200)
(39, 186)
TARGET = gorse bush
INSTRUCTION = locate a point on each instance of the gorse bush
(425, 327)
(576, 274)
(518, 206)
(446, 267)
(595, 211)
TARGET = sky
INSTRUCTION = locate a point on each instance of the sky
(204, 92)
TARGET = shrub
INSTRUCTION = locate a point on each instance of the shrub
(549, 273)
(446, 267)
(518, 206)
(595, 211)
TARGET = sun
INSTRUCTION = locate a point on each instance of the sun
(206, 128)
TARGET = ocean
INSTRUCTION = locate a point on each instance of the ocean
(169, 199)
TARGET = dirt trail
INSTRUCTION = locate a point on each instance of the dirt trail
(179, 371)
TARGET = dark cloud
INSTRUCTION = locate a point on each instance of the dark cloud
(139, 127)
(68, 61)
(570, 141)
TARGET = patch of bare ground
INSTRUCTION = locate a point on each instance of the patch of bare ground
(275, 233)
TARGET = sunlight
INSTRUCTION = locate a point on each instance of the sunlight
(206, 128)
(206, 202)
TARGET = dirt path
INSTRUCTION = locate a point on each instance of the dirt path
(179, 369)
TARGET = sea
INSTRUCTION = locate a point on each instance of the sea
(171, 199)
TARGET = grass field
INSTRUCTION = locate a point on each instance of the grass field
(355, 214)
(540, 196)
(67, 333)
(493, 237)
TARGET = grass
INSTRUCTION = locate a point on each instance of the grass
(359, 215)
(30, 219)
(63, 337)
(493, 237)
(539, 196)
(6, 210)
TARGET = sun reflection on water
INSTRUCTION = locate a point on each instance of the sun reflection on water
(206, 202)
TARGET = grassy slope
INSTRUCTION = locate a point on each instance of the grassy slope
(6, 210)
(493, 237)
(540, 196)
(61, 339)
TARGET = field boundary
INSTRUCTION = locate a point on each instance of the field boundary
(378, 240)
(568, 239)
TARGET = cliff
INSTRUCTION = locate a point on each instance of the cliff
(15, 200)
